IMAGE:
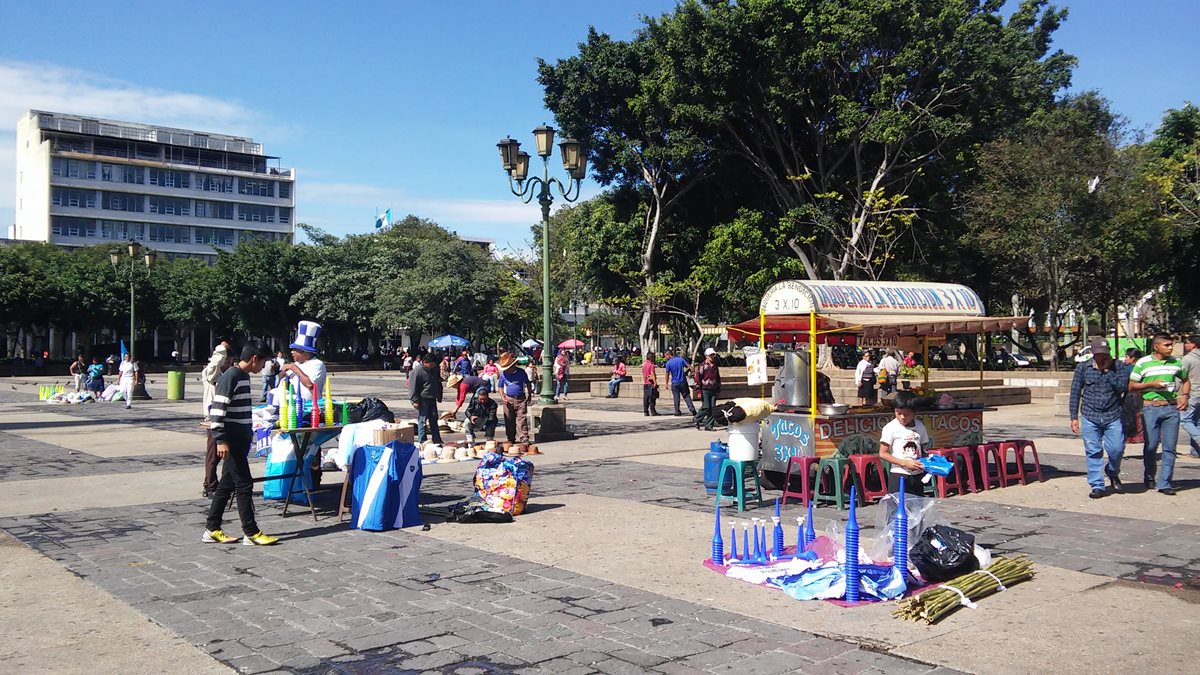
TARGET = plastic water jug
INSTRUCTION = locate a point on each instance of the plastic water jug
(718, 452)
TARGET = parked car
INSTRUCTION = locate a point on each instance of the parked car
(1006, 360)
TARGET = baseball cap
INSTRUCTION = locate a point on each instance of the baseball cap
(710, 351)
(1100, 347)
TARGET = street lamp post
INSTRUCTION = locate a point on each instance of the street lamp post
(516, 165)
(133, 251)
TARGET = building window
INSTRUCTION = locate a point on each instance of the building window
(169, 206)
(256, 214)
(119, 201)
(257, 188)
(168, 178)
(214, 183)
(220, 210)
(119, 173)
(285, 214)
(78, 168)
(168, 233)
(65, 226)
(67, 197)
(285, 190)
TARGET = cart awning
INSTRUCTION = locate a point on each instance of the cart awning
(795, 328)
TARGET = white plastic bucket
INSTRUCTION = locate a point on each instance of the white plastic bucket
(743, 442)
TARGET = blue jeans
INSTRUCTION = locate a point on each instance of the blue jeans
(683, 389)
(560, 389)
(1098, 438)
(427, 416)
(1162, 424)
(614, 386)
(1191, 424)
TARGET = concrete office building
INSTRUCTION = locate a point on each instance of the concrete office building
(83, 181)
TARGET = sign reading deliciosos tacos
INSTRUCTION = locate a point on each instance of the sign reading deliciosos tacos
(870, 297)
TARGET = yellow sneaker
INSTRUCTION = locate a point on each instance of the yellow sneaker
(259, 539)
(216, 537)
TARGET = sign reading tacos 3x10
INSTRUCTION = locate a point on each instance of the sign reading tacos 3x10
(870, 297)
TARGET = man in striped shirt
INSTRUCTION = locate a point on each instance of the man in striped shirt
(233, 431)
(1162, 382)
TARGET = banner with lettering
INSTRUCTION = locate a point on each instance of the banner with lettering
(870, 297)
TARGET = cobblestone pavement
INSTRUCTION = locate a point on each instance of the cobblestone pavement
(25, 459)
(338, 600)
(1123, 548)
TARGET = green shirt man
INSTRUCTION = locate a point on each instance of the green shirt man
(1160, 377)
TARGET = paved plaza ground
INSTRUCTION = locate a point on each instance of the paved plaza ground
(103, 569)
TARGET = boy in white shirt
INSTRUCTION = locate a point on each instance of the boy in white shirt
(901, 443)
(128, 371)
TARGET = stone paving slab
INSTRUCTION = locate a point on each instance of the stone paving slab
(332, 598)
(24, 459)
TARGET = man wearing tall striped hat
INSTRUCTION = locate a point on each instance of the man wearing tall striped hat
(305, 370)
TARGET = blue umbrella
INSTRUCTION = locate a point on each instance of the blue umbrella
(448, 341)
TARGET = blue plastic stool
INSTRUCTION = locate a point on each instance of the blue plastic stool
(739, 478)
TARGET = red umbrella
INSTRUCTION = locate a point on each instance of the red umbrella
(570, 344)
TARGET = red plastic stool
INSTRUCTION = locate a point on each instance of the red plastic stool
(862, 466)
(958, 480)
(1017, 473)
(1022, 446)
(805, 468)
(982, 453)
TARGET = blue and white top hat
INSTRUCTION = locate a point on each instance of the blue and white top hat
(306, 337)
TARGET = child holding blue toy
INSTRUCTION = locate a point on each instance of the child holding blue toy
(901, 444)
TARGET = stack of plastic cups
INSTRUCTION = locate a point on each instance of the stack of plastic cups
(778, 532)
(853, 574)
(316, 411)
(718, 546)
(810, 534)
(345, 412)
(900, 539)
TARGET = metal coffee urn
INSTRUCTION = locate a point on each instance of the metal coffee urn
(791, 389)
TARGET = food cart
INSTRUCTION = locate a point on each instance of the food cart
(808, 313)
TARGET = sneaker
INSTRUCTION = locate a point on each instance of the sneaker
(1096, 493)
(259, 539)
(1167, 491)
(216, 537)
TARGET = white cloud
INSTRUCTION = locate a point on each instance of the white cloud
(45, 86)
(354, 197)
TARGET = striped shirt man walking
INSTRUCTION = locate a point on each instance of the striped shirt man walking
(1161, 380)
(233, 431)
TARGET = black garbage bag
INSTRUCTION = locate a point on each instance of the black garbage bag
(943, 553)
(475, 510)
(368, 409)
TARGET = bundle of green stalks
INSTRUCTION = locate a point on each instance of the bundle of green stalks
(933, 605)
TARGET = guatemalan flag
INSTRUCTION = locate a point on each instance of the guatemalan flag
(384, 219)
(387, 483)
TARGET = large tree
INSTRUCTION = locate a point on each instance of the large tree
(1062, 209)
(612, 96)
(843, 109)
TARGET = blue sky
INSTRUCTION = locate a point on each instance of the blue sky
(400, 104)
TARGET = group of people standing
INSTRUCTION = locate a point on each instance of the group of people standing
(474, 385)
(1166, 388)
(91, 377)
(681, 376)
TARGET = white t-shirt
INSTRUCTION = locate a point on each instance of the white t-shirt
(315, 370)
(859, 370)
(127, 369)
(898, 437)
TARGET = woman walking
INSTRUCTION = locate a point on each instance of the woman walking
(649, 386)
